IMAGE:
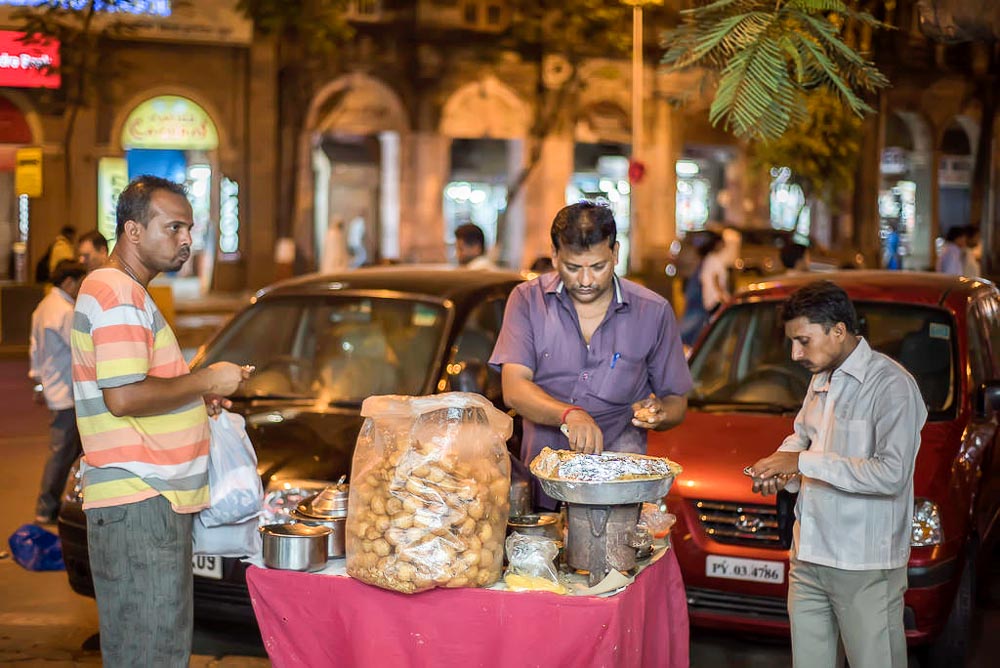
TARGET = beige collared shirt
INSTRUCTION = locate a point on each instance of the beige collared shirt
(859, 432)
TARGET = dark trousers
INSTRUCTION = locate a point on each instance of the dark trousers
(64, 448)
(140, 559)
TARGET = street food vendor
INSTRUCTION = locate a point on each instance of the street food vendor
(591, 361)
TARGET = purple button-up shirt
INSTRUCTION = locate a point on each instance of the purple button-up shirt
(635, 351)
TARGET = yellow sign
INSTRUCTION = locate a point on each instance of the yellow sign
(28, 172)
(112, 177)
(169, 122)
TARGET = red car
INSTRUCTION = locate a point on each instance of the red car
(732, 544)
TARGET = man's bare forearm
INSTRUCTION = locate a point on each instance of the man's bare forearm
(674, 409)
(532, 402)
(155, 396)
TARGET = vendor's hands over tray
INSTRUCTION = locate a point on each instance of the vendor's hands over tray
(648, 413)
(583, 433)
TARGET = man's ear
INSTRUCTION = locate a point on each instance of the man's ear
(132, 230)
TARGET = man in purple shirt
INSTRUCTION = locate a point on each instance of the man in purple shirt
(584, 350)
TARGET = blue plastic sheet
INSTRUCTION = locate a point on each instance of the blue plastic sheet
(36, 549)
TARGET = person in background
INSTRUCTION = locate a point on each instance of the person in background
(590, 360)
(542, 265)
(470, 247)
(973, 252)
(714, 276)
(143, 419)
(51, 370)
(335, 256)
(696, 316)
(63, 247)
(92, 250)
(952, 257)
(851, 457)
(795, 258)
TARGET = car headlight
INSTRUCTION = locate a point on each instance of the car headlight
(282, 496)
(73, 492)
(926, 530)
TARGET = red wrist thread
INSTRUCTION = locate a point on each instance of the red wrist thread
(566, 412)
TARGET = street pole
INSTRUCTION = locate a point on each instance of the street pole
(634, 231)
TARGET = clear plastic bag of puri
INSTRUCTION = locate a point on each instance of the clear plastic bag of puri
(429, 499)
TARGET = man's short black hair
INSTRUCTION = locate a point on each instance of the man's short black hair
(582, 225)
(67, 269)
(791, 253)
(96, 239)
(68, 231)
(133, 203)
(471, 235)
(821, 303)
(956, 232)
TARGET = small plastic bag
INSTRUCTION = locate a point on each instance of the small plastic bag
(532, 564)
(36, 549)
(237, 494)
(656, 521)
(226, 540)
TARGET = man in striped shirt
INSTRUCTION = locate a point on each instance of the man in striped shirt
(143, 422)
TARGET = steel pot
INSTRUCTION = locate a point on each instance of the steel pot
(329, 503)
(542, 524)
(295, 547)
(335, 545)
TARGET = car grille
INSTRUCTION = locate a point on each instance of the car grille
(710, 601)
(740, 524)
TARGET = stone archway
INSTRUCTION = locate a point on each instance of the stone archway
(333, 197)
(907, 193)
(486, 108)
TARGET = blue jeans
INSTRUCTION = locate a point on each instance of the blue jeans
(64, 448)
(140, 559)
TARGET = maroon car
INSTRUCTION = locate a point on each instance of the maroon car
(733, 545)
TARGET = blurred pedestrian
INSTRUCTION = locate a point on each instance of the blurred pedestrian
(470, 247)
(851, 458)
(542, 264)
(143, 418)
(973, 252)
(335, 256)
(951, 260)
(51, 370)
(92, 250)
(706, 288)
(60, 249)
(795, 258)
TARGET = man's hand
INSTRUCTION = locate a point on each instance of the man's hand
(215, 404)
(778, 464)
(771, 485)
(649, 413)
(225, 377)
(583, 433)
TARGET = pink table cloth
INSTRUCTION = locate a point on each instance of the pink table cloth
(324, 621)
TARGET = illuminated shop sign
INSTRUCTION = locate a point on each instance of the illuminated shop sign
(28, 65)
(169, 122)
(144, 7)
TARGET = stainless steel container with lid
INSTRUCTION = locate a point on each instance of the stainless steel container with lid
(295, 547)
(542, 524)
(326, 509)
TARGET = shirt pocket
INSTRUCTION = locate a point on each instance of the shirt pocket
(854, 438)
(623, 383)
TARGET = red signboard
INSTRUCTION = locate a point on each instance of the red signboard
(28, 65)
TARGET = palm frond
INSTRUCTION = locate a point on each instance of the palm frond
(768, 55)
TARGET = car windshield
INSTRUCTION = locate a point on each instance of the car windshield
(746, 358)
(336, 350)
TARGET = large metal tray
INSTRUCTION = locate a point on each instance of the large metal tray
(610, 493)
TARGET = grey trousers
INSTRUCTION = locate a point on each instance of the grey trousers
(863, 608)
(140, 558)
(64, 448)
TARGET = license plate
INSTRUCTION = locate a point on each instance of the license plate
(207, 567)
(752, 570)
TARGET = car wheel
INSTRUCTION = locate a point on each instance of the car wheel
(951, 647)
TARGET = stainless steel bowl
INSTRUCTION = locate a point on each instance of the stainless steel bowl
(295, 547)
(335, 544)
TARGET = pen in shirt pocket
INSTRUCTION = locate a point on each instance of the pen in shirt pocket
(614, 359)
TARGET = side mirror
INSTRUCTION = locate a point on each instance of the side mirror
(987, 398)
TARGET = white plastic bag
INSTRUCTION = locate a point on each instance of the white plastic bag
(227, 540)
(237, 494)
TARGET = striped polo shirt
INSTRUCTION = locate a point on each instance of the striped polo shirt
(119, 338)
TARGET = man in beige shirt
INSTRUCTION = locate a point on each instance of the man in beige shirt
(851, 457)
